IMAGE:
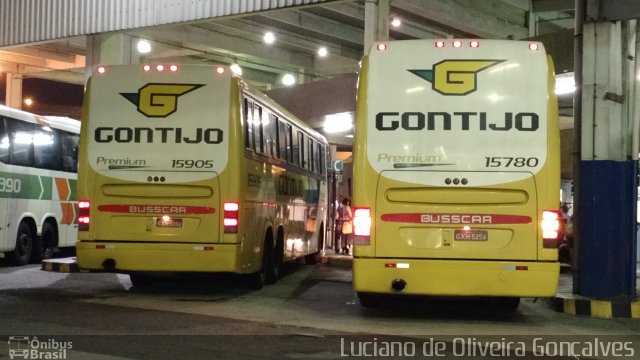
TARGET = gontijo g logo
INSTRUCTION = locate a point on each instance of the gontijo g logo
(159, 100)
(455, 77)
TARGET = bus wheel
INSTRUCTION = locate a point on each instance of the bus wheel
(140, 280)
(369, 301)
(24, 244)
(44, 245)
(508, 303)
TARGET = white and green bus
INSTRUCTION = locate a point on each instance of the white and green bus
(186, 168)
(38, 166)
(456, 171)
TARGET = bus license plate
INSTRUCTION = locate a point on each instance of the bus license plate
(471, 235)
(173, 223)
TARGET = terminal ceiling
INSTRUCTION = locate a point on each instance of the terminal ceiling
(336, 25)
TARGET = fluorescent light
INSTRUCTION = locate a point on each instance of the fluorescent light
(336, 123)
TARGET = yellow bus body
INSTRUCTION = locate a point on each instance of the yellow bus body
(419, 215)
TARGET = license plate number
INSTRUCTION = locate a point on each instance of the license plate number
(173, 223)
(471, 235)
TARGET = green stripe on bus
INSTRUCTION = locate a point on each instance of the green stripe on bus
(32, 187)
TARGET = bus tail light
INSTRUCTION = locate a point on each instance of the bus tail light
(362, 226)
(84, 207)
(230, 222)
(550, 228)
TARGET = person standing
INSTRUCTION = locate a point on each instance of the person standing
(345, 226)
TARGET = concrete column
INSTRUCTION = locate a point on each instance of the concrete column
(606, 254)
(13, 97)
(376, 22)
(110, 49)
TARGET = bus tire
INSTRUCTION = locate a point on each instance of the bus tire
(369, 301)
(44, 245)
(24, 244)
(508, 303)
(140, 280)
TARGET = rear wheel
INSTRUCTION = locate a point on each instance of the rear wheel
(44, 245)
(141, 280)
(508, 303)
(368, 300)
(24, 244)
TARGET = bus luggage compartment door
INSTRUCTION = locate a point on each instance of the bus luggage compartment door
(455, 221)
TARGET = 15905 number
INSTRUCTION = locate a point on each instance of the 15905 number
(192, 164)
(504, 161)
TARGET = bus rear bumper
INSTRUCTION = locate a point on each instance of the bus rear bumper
(456, 277)
(128, 257)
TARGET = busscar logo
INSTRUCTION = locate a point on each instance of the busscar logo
(159, 100)
(455, 77)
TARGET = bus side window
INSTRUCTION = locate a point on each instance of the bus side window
(4, 142)
(247, 112)
(311, 155)
(21, 138)
(319, 155)
(289, 142)
(46, 148)
(281, 139)
(258, 129)
(302, 141)
(273, 137)
(69, 151)
(295, 147)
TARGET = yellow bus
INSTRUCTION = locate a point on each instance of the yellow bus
(38, 164)
(186, 168)
(456, 171)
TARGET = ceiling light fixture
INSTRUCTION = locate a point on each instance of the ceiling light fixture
(288, 79)
(396, 22)
(144, 47)
(269, 38)
(323, 52)
(236, 69)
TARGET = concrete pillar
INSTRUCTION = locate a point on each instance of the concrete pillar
(376, 22)
(13, 97)
(606, 253)
(110, 49)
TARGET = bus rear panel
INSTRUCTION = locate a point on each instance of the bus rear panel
(456, 170)
(156, 147)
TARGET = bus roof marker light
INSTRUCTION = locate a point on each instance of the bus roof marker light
(220, 70)
(439, 44)
(534, 46)
(160, 67)
(101, 70)
(381, 47)
(474, 44)
(173, 67)
(146, 67)
(457, 44)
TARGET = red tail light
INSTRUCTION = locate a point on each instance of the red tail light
(550, 228)
(230, 222)
(84, 207)
(362, 226)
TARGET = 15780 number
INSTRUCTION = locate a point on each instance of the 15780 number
(192, 164)
(504, 161)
